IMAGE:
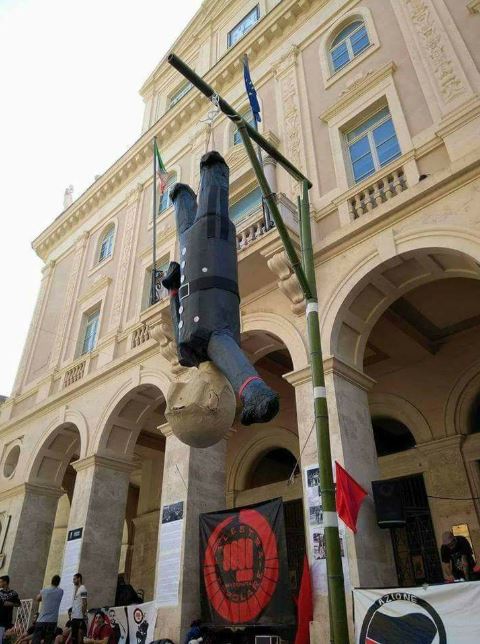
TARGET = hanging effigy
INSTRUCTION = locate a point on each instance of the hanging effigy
(205, 308)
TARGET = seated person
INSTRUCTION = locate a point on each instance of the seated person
(100, 631)
(457, 557)
(27, 636)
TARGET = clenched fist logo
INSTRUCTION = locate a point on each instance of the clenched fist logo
(241, 566)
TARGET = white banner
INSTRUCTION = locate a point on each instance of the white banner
(442, 614)
(141, 622)
(169, 558)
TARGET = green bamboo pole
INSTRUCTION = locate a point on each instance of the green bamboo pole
(336, 589)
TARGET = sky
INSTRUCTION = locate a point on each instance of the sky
(70, 73)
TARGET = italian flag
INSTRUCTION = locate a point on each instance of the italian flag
(162, 173)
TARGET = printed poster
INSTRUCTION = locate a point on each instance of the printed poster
(316, 534)
(170, 554)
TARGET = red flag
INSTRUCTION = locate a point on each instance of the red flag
(350, 496)
(304, 606)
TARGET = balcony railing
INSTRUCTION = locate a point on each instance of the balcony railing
(140, 335)
(253, 226)
(377, 193)
(74, 373)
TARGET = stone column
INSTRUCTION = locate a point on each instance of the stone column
(196, 477)
(370, 551)
(98, 506)
(33, 510)
(57, 543)
(270, 169)
(446, 478)
(144, 552)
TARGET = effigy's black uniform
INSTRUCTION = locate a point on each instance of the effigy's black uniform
(204, 289)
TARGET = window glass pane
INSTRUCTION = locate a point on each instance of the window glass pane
(245, 206)
(107, 245)
(368, 124)
(362, 159)
(165, 201)
(340, 56)
(359, 41)
(386, 142)
(345, 32)
(248, 116)
(180, 94)
(243, 26)
(90, 332)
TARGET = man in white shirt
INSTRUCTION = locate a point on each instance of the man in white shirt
(79, 610)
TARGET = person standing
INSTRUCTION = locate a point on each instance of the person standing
(79, 610)
(457, 557)
(9, 599)
(48, 618)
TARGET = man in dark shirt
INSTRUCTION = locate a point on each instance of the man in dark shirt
(457, 557)
(8, 600)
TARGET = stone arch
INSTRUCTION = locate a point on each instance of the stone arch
(264, 440)
(419, 256)
(62, 442)
(283, 329)
(402, 410)
(134, 404)
(460, 400)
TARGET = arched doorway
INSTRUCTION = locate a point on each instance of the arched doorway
(52, 467)
(131, 430)
(407, 329)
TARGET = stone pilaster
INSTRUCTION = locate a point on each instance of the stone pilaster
(70, 295)
(196, 477)
(370, 551)
(98, 506)
(126, 257)
(33, 516)
(447, 483)
(286, 74)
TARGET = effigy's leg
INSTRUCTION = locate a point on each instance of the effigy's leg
(260, 403)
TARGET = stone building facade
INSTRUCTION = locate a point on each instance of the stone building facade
(377, 101)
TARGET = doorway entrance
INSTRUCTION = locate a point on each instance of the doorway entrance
(415, 548)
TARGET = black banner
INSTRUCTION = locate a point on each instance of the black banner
(243, 566)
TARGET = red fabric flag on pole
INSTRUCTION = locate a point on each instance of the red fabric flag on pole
(304, 606)
(350, 496)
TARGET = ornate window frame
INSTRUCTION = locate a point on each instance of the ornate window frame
(359, 13)
(372, 89)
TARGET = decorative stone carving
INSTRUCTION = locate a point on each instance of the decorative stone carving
(438, 52)
(161, 331)
(121, 281)
(286, 75)
(287, 281)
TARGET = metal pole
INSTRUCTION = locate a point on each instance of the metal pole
(336, 590)
(228, 110)
(153, 295)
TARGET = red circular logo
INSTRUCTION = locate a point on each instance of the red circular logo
(240, 570)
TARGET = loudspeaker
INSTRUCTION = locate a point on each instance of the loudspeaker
(388, 504)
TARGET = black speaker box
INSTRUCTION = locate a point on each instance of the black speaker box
(388, 504)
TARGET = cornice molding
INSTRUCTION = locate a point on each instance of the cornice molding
(95, 460)
(30, 488)
(359, 85)
(334, 366)
(299, 377)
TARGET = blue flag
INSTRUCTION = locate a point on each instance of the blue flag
(251, 92)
